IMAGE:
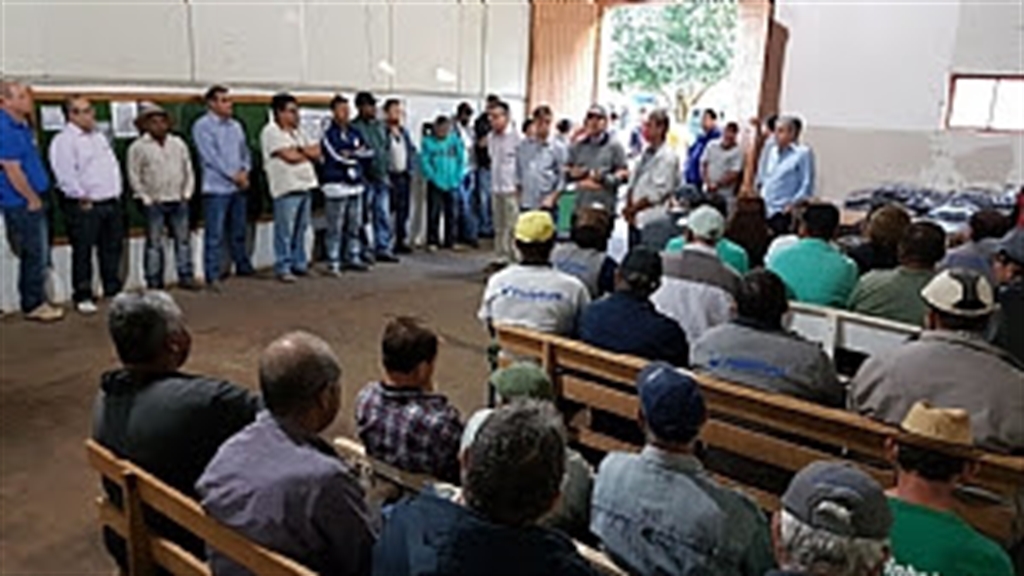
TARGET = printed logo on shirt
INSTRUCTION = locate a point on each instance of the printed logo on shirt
(747, 365)
(894, 569)
(531, 294)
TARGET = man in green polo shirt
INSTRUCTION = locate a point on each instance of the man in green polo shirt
(928, 538)
(896, 294)
(814, 270)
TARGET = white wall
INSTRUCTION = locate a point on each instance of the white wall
(454, 47)
(871, 80)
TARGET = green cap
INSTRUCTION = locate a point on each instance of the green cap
(523, 380)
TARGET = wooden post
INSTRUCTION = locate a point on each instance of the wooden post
(140, 559)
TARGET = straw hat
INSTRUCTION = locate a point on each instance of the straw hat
(940, 428)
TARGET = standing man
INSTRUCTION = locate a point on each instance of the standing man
(655, 178)
(377, 193)
(482, 159)
(88, 174)
(721, 165)
(442, 169)
(23, 188)
(288, 158)
(342, 184)
(501, 147)
(226, 161)
(469, 226)
(786, 174)
(160, 173)
(709, 132)
(540, 166)
(597, 163)
(401, 166)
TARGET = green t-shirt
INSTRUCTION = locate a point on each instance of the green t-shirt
(729, 252)
(928, 542)
(892, 294)
(816, 272)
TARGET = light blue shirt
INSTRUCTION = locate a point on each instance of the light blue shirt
(785, 176)
(223, 152)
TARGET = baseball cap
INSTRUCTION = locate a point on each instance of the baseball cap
(672, 404)
(535, 227)
(523, 379)
(641, 266)
(960, 292)
(1012, 246)
(839, 498)
(705, 222)
(365, 99)
(597, 110)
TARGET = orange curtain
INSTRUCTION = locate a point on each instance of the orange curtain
(563, 55)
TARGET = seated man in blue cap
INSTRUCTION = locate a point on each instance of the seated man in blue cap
(660, 512)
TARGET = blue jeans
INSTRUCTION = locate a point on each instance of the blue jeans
(220, 211)
(26, 232)
(467, 217)
(378, 198)
(161, 217)
(291, 220)
(482, 202)
(344, 219)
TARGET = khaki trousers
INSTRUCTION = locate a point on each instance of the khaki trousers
(505, 210)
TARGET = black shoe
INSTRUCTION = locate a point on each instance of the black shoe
(189, 285)
(356, 267)
(403, 249)
(245, 272)
(387, 258)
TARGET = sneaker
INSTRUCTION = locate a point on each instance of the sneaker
(86, 307)
(356, 267)
(387, 258)
(245, 272)
(287, 278)
(432, 248)
(332, 271)
(458, 248)
(403, 249)
(45, 313)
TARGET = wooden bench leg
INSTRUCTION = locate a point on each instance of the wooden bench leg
(140, 559)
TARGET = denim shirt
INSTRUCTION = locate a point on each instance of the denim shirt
(660, 513)
(223, 152)
(785, 176)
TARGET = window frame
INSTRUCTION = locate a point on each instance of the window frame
(953, 78)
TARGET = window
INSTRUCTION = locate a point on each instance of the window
(986, 103)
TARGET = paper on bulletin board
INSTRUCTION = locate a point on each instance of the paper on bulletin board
(122, 117)
(51, 117)
(313, 122)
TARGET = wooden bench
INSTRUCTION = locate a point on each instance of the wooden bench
(769, 430)
(147, 550)
(409, 483)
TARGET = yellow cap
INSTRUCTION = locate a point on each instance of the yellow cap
(535, 227)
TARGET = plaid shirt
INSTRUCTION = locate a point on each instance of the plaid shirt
(410, 429)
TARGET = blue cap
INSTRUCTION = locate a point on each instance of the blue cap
(671, 401)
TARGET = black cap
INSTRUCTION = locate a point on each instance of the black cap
(642, 267)
(365, 99)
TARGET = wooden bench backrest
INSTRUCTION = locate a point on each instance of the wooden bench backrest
(838, 329)
(415, 483)
(772, 429)
(147, 550)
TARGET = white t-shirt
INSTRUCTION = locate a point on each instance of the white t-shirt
(535, 297)
(283, 177)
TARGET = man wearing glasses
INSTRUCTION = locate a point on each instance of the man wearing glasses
(597, 163)
(89, 176)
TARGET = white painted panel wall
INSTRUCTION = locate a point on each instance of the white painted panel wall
(507, 51)
(347, 42)
(990, 37)
(426, 46)
(471, 47)
(249, 42)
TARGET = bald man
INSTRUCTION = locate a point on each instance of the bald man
(278, 482)
(23, 186)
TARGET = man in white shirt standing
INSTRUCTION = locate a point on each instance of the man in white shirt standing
(89, 177)
(501, 146)
(721, 165)
(655, 178)
(288, 157)
(160, 173)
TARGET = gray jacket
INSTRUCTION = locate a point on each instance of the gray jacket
(773, 360)
(661, 513)
(950, 370)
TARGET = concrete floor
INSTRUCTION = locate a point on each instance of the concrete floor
(49, 375)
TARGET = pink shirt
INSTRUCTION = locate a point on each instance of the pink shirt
(85, 165)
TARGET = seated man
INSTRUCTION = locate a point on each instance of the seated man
(401, 420)
(932, 457)
(834, 521)
(987, 227)
(755, 349)
(730, 253)
(512, 477)
(532, 294)
(525, 380)
(896, 294)
(627, 322)
(815, 271)
(168, 422)
(278, 483)
(585, 256)
(1009, 272)
(660, 512)
(697, 290)
(951, 366)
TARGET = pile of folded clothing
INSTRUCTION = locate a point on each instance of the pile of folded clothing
(949, 209)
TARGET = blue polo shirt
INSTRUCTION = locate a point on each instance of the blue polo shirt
(17, 142)
(626, 324)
